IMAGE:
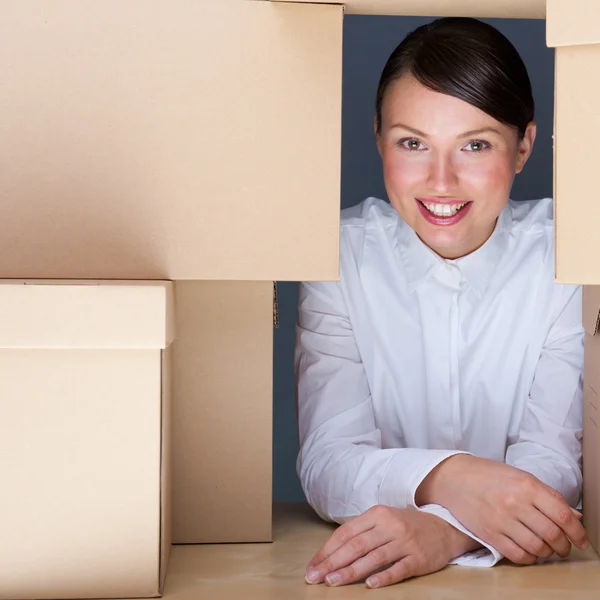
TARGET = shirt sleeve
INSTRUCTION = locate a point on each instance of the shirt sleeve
(549, 443)
(342, 466)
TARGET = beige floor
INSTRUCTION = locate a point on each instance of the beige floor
(276, 572)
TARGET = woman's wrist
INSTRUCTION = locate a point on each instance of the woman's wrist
(434, 489)
(460, 543)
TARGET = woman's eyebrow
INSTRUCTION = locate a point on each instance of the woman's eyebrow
(466, 134)
(479, 132)
(411, 129)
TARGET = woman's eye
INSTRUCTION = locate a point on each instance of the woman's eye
(476, 146)
(412, 144)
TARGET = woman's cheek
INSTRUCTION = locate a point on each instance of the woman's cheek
(488, 178)
(403, 175)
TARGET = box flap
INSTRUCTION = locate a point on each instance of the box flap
(518, 9)
(572, 22)
(86, 314)
(591, 308)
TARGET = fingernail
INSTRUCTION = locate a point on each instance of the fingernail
(312, 576)
(333, 579)
(372, 582)
(585, 545)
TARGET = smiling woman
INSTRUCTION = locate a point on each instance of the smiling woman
(439, 381)
(454, 116)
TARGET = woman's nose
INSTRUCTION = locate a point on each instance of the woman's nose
(442, 174)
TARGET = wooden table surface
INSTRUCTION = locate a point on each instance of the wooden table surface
(276, 571)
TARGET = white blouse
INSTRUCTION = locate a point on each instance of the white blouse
(411, 358)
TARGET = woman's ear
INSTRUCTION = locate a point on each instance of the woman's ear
(526, 146)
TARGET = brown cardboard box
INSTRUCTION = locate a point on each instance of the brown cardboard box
(84, 438)
(223, 414)
(591, 414)
(573, 28)
(169, 140)
(521, 9)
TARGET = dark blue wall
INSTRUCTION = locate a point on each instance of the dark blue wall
(368, 41)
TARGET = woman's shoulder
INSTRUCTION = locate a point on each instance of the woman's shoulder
(532, 216)
(370, 213)
(372, 223)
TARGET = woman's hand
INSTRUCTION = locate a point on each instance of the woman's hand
(506, 507)
(407, 542)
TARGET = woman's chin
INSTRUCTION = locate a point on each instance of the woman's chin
(446, 243)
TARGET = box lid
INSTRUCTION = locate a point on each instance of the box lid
(520, 9)
(591, 308)
(86, 314)
(572, 22)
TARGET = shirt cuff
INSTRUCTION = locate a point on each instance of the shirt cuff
(487, 556)
(406, 472)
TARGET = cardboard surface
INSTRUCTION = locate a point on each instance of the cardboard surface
(591, 309)
(86, 314)
(166, 464)
(572, 22)
(185, 140)
(81, 439)
(591, 444)
(276, 572)
(522, 9)
(591, 414)
(577, 127)
(576, 132)
(223, 392)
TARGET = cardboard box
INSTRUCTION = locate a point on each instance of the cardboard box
(223, 413)
(169, 140)
(591, 414)
(521, 9)
(573, 28)
(84, 438)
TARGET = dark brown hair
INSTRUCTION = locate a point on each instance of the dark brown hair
(468, 59)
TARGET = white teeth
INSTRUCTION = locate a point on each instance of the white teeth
(444, 210)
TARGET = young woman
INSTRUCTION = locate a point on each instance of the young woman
(439, 381)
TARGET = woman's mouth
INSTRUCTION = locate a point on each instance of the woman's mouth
(446, 213)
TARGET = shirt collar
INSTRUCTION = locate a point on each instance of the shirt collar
(420, 262)
(418, 259)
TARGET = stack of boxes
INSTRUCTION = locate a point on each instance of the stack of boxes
(162, 165)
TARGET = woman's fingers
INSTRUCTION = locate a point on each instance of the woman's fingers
(561, 514)
(547, 530)
(358, 570)
(513, 551)
(527, 539)
(411, 566)
(342, 535)
(360, 550)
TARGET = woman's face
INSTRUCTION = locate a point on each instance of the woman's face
(448, 166)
